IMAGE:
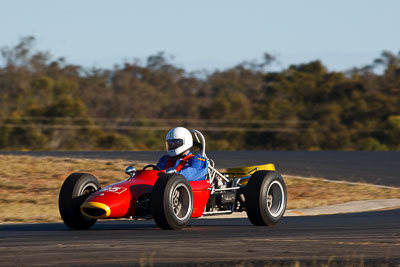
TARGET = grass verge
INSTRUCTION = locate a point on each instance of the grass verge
(29, 186)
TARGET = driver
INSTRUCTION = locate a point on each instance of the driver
(179, 159)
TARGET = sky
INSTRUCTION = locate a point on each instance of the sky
(207, 34)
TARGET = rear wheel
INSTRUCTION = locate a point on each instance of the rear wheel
(172, 201)
(75, 190)
(265, 198)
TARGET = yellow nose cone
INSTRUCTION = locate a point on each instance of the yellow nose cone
(95, 210)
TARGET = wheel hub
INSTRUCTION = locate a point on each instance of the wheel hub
(275, 198)
(269, 201)
(176, 203)
(181, 202)
(88, 189)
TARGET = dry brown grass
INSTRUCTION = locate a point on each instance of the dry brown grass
(306, 193)
(29, 186)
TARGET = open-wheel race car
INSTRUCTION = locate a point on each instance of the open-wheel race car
(171, 200)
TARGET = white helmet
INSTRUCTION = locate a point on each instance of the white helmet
(178, 140)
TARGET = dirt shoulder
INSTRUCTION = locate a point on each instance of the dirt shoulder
(29, 186)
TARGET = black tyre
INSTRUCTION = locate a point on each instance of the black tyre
(75, 190)
(172, 201)
(265, 198)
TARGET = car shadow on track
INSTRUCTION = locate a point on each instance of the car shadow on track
(376, 219)
(48, 227)
(121, 225)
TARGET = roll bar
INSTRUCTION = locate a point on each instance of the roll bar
(202, 141)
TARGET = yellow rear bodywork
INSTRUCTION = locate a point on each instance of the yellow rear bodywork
(248, 170)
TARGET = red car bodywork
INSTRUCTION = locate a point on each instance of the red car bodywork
(119, 200)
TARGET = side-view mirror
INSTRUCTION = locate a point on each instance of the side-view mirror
(130, 170)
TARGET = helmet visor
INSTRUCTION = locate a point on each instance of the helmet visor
(174, 143)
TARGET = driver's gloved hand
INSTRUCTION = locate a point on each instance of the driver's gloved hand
(170, 170)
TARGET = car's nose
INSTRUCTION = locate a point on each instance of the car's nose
(95, 210)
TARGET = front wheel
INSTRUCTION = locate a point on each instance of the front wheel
(75, 190)
(265, 198)
(172, 201)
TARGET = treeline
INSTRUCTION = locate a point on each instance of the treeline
(48, 104)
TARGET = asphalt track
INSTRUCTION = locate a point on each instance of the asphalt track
(360, 239)
(356, 166)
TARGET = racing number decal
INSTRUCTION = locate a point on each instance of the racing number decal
(115, 189)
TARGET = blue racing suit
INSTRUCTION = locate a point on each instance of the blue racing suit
(193, 167)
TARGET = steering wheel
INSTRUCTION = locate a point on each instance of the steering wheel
(152, 166)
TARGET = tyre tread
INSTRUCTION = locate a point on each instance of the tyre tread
(254, 204)
(69, 203)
